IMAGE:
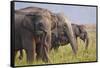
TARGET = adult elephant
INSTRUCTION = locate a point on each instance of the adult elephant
(63, 25)
(33, 33)
(43, 22)
(80, 31)
(62, 39)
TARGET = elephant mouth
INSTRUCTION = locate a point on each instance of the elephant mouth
(39, 36)
(40, 33)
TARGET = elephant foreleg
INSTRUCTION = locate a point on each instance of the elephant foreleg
(39, 49)
(30, 56)
(31, 51)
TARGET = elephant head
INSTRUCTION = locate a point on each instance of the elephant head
(64, 26)
(39, 17)
(83, 35)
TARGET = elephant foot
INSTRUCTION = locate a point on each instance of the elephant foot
(30, 57)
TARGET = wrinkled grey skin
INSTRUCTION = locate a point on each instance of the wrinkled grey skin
(24, 36)
(28, 27)
(42, 22)
(79, 31)
(82, 34)
(42, 35)
(63, 25)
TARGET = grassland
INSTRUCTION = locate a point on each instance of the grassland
(65, 55)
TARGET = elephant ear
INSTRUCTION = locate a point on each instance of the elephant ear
(81, 28)
(28, 22)
(84, 35)
(54, 20)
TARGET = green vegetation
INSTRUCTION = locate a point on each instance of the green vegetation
(65, 54)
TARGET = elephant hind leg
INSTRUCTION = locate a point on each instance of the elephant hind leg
(30, 49)
(31, 53)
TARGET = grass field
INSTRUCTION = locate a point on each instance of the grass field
(65, 54)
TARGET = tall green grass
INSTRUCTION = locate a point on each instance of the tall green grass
(65, 54)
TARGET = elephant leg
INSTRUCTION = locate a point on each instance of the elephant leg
(30, 56)
(38, 51)
(34, 48)
(30, 50)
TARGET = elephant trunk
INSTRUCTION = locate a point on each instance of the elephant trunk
(85, 38)
(72, 39)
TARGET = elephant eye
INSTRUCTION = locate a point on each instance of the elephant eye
(64, 26)
(40, 24)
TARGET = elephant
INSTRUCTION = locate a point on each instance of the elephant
(34, 27)
(61, 40)
(63, 25)
(30, 29)
(82, 34)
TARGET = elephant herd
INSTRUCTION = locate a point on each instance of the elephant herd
(38, 31)
(78, 30)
